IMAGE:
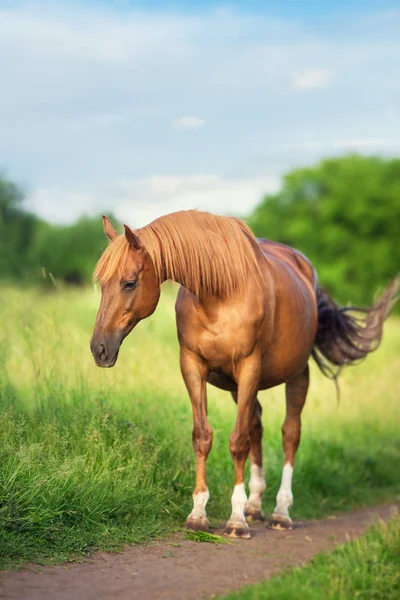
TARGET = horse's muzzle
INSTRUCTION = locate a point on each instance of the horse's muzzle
(105, 352)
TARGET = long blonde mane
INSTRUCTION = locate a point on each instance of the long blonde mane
(207, 254)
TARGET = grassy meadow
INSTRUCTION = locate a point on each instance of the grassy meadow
(93, 458)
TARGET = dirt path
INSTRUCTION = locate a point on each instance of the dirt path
(190, 571)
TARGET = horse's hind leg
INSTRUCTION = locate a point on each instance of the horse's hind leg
(296, 392)
(253, 509)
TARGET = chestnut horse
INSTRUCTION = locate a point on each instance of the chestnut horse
(249, 315)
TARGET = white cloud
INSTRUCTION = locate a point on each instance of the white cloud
(138, 202)
(60, 205)
(365, 143)
(143, 200)
(356, 144)
(309, 79)
(189, 122)
(93, 96)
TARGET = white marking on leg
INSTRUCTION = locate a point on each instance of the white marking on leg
(199, 505)
(257, 487)
(239, 499)
(284, 498)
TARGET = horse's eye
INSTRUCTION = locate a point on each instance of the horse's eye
(130, 285)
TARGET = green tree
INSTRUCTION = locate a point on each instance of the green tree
(69, 252)
(344, 214)
(28, 245)
(16, 230)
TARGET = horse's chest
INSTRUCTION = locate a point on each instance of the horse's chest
(222, 343)
(223, 348)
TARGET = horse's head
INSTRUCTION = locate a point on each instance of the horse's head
(130, 291)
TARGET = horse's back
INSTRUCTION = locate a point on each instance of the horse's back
(289, 256)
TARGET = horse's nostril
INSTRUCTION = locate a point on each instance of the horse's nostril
(102, 352)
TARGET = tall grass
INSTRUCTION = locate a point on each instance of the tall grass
(368, 567)
(97, 458)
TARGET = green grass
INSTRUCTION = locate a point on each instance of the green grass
(366, 569)
(205, 537)
(93, 458)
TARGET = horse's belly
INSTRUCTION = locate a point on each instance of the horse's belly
(287, 355)
(225, 382)
(222, 381)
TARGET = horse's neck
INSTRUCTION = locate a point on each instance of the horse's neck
(214, 260)
(166, 276)
(208, 301)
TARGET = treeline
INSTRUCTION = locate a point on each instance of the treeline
(344, 214)
(33, 250)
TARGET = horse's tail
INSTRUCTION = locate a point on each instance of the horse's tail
(346, 335)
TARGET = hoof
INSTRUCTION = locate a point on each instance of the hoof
(197, 524)
(253, 515)
(237, 530)
(280, 523)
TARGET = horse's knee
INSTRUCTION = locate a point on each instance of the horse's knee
(202, 439)
(239, 445)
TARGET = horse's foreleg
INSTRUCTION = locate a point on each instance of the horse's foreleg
(239, 443)
(253, 510)
(296, 392)
(194, 373)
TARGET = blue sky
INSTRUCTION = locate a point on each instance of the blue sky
(144, 108)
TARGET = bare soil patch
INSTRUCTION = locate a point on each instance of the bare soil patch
(179, 569)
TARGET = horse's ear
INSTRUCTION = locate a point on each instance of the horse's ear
(133, 239)
(109, 229)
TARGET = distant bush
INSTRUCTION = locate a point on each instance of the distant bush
(17, 228)
(68, 252)
(31, 248)
(344, 214)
